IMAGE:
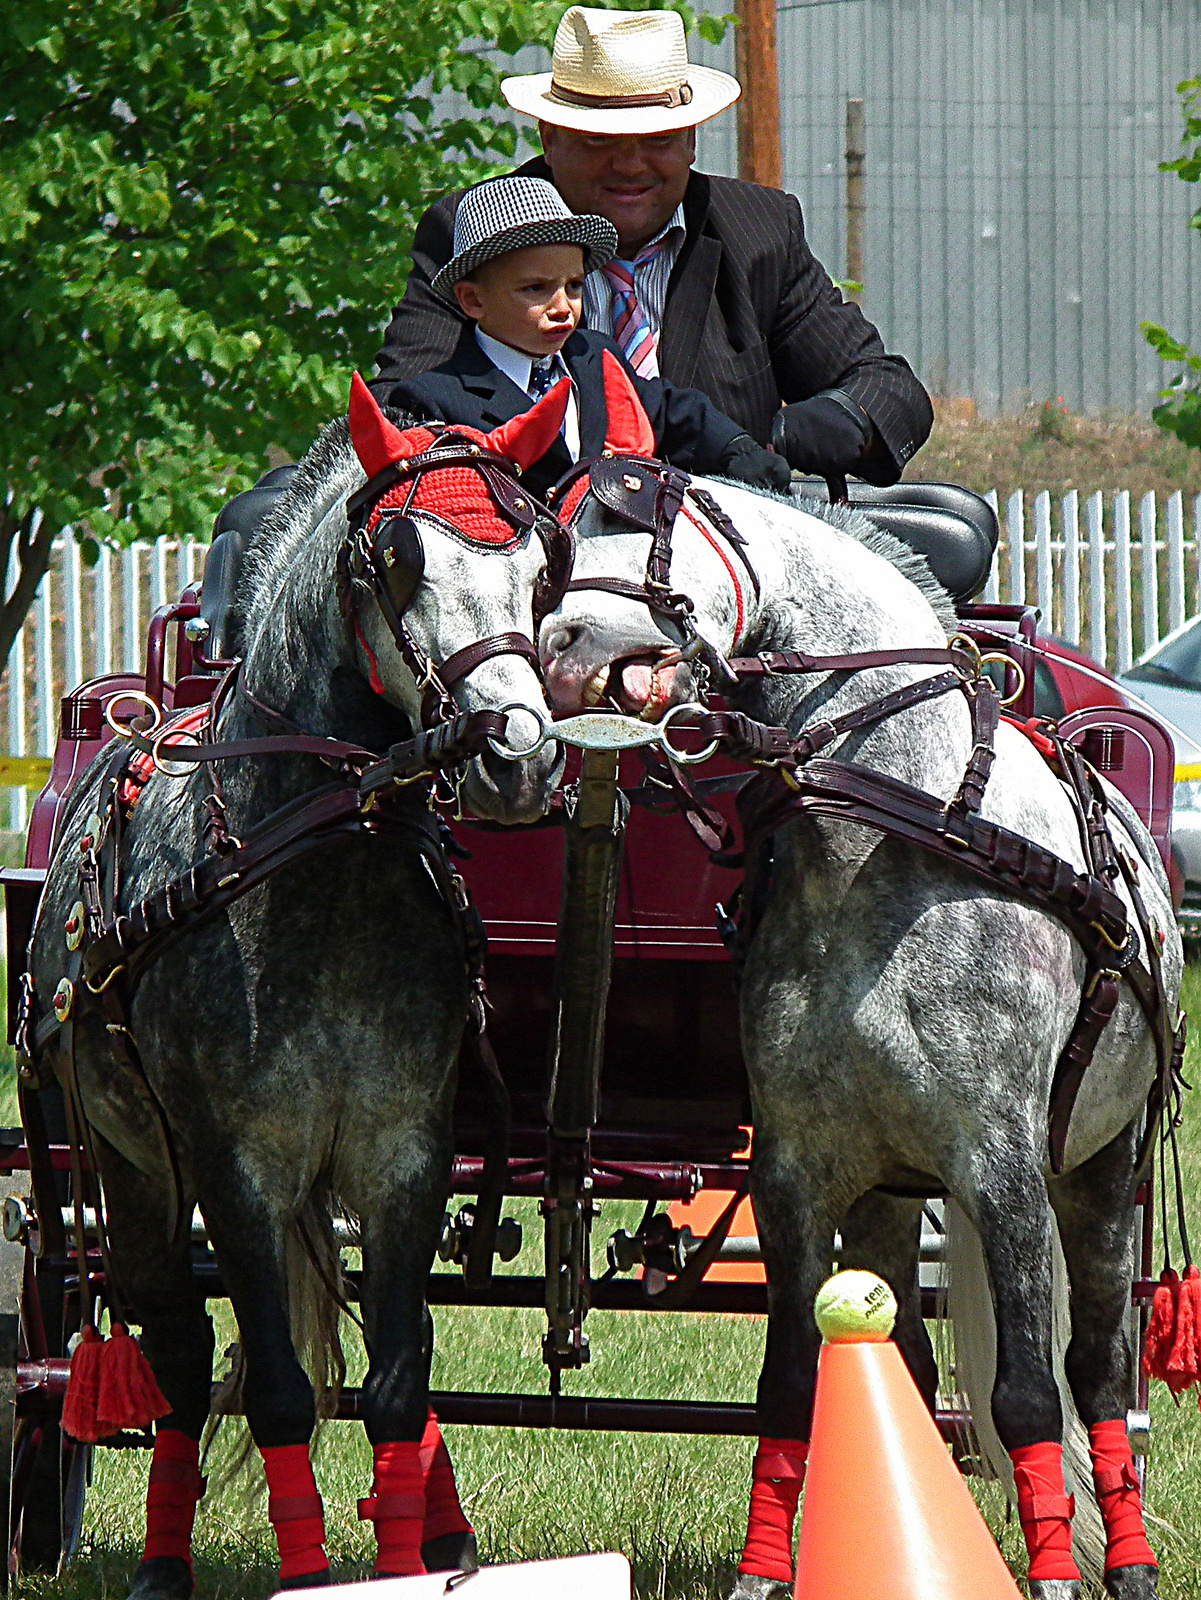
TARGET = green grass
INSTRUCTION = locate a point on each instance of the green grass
(676, 1506)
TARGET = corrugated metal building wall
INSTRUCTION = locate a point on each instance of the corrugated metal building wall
(1018, 228)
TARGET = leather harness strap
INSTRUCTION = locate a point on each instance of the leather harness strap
(792, 782)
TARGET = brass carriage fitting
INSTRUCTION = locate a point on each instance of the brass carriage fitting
(73, 927)
(64, 997)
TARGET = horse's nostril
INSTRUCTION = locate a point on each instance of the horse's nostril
(561, 640)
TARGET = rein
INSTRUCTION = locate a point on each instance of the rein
(110, 950)
(791, 779)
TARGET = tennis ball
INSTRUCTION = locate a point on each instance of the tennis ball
(855, 1307)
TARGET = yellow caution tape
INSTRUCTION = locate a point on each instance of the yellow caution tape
(29, 772)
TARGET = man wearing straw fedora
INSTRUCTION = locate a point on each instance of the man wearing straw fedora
(714, 286)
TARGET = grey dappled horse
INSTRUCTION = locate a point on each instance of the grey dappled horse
(303, 1044)
(901, 1022)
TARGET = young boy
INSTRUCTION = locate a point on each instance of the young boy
(518, 273)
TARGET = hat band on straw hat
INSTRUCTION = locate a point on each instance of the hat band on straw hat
(669, 99)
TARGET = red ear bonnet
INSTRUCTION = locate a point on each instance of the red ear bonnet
(526, 439)
(376, 442)
(628, 430)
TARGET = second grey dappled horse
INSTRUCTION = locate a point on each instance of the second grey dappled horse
(901, 1021)
(303, 1042)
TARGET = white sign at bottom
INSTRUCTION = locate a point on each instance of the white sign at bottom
(598, 1577)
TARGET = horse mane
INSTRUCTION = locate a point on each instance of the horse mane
(910, 563)
(857, 525)
(326, 474)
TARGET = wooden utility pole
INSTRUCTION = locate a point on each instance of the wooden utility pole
(855, 155)
(759, 107)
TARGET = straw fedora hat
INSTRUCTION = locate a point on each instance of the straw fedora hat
(621, 72)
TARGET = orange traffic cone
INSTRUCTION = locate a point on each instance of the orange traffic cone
(886, 1512)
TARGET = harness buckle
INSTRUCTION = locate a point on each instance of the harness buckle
(1101, 973)
(1113, 944)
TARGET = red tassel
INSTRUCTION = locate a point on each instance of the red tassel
(1184, 1361)
(129, 1396)
(1157, 1346)
(83, 1389)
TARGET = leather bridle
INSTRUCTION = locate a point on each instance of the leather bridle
(383, 558)
(648, 495)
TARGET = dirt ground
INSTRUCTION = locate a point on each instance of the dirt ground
(1046, 448)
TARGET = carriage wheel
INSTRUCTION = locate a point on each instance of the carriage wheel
(43, 1474)
(12, 1272)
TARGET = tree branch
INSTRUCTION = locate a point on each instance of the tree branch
(34, 539)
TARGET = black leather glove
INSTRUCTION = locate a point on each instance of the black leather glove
(826, 435)
(748, 462)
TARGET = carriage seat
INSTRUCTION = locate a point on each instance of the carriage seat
(237, 520)
(955, 529)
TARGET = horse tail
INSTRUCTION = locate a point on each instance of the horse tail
(972, 1321)
(316, 1300)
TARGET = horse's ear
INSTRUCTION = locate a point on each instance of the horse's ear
(376, 442)
(628, 430)
(526, 439)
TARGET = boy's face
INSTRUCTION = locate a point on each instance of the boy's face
(531, 299)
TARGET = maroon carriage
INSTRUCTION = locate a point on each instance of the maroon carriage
(614, 1019)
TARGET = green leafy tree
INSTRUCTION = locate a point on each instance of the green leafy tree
(205, 212)
(1180, 408)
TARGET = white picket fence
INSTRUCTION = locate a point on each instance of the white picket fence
(1107, 574)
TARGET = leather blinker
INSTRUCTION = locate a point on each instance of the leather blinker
(398, 556)
(629, 488)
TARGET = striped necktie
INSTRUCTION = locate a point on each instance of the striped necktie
(631, 328)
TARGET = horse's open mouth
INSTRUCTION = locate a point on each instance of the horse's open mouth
(644, 685)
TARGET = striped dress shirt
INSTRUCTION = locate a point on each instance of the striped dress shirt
(650, 282)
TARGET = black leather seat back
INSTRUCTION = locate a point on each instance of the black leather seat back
(955, 529)
(236, 521)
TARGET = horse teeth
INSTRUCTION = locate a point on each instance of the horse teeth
(596, 686)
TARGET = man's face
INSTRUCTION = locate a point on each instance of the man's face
(637, 182)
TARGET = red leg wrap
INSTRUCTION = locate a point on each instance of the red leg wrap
(443, 1513)
(295, 1509)
(175, 1487)
(776, 1479)
(1119, 1498)
(1044, 1510)
(397, 1507)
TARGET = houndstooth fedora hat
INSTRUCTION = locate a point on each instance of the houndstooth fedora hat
(621, 72)
(512, 214)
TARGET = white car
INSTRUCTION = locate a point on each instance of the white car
(1167, 681)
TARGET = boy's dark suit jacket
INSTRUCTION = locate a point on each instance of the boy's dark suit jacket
(689, 432)
(751, 319)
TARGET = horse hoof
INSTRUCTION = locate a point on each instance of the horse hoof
(750, 1586)
(1055, 1589)
(451, 1552)
(308, 1580)
(1133, 1583)
(162, 1578)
